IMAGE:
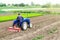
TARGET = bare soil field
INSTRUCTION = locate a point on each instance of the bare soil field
(40, 26)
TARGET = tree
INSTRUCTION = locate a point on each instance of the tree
(22, 4)
(14, 4)
(1, 4)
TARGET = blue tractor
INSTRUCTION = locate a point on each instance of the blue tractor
(23, 24)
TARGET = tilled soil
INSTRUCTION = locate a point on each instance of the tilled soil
(38, 23)
(53, 36)
(43, 31)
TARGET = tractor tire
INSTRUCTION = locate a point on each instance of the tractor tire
(24, 26)
(30, 25)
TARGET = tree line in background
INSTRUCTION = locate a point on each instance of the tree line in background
(48, 5)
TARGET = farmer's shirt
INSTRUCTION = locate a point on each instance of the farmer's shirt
(20, 18)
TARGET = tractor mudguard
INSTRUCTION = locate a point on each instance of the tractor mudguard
(27, 20)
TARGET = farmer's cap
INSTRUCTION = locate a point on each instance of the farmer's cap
(18, 13)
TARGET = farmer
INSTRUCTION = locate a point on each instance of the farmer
(19, 17)
(18, 20)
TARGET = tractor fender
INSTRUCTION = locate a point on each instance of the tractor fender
(26, 20)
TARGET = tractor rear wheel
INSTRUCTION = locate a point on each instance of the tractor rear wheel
(24, 25)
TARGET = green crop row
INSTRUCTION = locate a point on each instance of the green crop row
(38, 37)
(13, 17)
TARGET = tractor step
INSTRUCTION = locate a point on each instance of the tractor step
(14, 29)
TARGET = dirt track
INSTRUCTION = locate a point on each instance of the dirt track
(38, 23)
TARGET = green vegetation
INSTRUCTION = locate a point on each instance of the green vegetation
(24, 13)
(13, 17)
(53, 30)
(38, 37)
(33, 5)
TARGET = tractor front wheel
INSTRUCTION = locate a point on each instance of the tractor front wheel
(30, 25)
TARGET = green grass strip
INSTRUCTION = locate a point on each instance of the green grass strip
(13, 17)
